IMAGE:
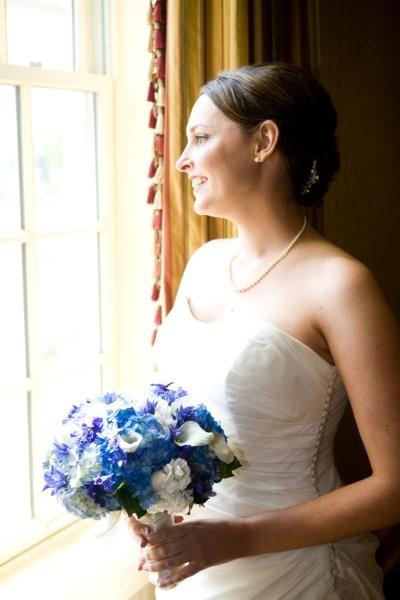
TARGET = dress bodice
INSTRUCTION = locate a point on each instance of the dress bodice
(279, 403)
(278, 400)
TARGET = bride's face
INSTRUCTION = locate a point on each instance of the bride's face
(219, 161)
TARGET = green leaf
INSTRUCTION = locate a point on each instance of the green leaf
(130, 503)
(227, 469)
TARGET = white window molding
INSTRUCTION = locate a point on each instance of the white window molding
(93, 568)
(96, 566)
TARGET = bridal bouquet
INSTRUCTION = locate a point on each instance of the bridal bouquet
(154, 455)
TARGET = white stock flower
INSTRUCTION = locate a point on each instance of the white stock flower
(174, 477)
(170, 484)
(178, 475)
(179, 502)
(157, 480)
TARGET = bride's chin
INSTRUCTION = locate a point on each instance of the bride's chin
(200, 207)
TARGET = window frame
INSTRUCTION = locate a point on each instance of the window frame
(29, 532)
(131, 145)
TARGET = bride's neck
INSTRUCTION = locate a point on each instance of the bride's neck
(265, 234)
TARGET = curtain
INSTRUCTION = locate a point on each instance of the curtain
(156, 95)
(204, 37)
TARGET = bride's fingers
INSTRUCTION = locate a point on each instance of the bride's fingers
(161, 564)
(186, 570)
(141, 562)
(140, 530)
(160, 553)
(178, 519)
(167, 535)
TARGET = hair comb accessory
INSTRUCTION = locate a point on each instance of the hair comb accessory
(312, 178)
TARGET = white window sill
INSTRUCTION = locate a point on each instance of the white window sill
(76, 564)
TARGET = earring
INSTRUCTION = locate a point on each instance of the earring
(257, 159)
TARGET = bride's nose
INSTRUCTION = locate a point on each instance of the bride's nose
(184, 162)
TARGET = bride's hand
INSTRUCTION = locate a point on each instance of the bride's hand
(140, 531)
(193, 546)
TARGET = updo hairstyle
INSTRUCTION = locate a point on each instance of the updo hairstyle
(301, 108)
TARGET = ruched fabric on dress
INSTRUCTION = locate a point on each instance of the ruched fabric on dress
(280, 404)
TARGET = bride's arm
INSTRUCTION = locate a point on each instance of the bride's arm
(364, 340)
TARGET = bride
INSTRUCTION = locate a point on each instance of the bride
(274, 330)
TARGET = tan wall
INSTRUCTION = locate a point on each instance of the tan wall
(359, 52)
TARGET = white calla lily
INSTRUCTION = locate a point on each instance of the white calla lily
(221, 448)
(130, 442)
(191, 434)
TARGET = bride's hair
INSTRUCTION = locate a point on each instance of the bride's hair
(301, 108)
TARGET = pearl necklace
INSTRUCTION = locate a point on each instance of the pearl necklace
(241, 290)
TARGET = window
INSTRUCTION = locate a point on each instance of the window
(57, 241)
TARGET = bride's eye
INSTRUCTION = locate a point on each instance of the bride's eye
(200, 138)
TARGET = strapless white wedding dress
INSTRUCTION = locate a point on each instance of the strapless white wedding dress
(280, 403)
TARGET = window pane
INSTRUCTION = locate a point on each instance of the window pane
(14, 459)
(12, 327)
(55, 401)
(65, 158)
(68, 287)
(10, 214)
(40, 33)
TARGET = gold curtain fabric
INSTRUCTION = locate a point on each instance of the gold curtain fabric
(204, 37)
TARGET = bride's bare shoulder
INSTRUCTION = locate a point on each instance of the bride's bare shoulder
(332, 263)
(336, 280)
(213, 250)
(202, 264)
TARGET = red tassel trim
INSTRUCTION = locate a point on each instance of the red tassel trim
(151, 93)
(153, 337)
(152, 169)
(155, 292)
(157, 269)
(157, 244)
(157, 219)
(151, 194)
(160, 67)
(153, 117)
(158, 13)
(159, 145)
(158, 39)
(158, 316)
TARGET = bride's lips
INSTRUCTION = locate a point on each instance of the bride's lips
(197, 182)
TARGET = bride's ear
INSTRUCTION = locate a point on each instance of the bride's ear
(266, 140)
